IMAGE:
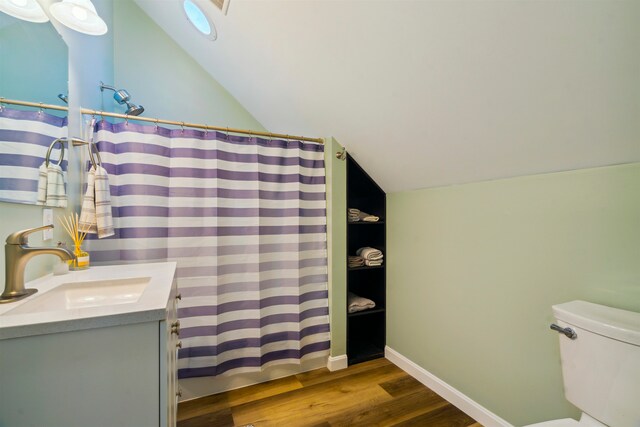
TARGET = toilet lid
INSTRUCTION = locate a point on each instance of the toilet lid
(565, 422)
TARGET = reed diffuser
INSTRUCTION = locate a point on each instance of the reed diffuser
(71, 226)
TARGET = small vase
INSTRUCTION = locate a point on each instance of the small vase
(82, 259)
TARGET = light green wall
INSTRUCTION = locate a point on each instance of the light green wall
(162, 77)
(473, 271)
(336, 172)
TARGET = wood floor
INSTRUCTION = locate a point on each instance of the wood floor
(375, 393)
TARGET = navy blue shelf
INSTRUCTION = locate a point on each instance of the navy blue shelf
(366, 330)
(366, 312)
(375, 267)
(365, 223)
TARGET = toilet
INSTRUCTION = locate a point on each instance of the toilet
(600, 364)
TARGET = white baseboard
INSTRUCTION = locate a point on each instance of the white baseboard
(453, 396)
(337, 363)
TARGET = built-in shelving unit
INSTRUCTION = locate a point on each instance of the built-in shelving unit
(366, 329)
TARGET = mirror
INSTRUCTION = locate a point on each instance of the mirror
(34, 68)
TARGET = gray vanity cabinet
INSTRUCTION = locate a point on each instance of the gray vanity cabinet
(122, 375)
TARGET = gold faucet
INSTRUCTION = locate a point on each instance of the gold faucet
(17, 254)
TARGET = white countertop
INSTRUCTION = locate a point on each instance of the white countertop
(151, 306)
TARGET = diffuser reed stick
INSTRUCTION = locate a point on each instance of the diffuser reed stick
(71, 225)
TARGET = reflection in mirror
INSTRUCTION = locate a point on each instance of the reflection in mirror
(32, 166)
(33, 67)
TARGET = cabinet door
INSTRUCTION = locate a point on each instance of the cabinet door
(101, 377)
(169, 336)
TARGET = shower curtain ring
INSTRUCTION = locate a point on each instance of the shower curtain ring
(40, 110)
(156, 125)
(182, 125)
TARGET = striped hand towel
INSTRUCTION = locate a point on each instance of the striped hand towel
(96, 206)
(51, 190)
(42, 184)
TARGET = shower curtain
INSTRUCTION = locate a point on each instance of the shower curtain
(245, 220)
(25, 137)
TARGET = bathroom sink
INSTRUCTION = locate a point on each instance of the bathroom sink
(99, 297)
(77, 295)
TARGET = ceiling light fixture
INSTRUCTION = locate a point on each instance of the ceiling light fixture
(27, 10)
(199, 19)
(79, 15)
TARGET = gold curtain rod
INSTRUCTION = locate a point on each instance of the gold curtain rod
(33, 104)
(159, 121)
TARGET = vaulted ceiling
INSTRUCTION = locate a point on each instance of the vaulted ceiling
(429, 93)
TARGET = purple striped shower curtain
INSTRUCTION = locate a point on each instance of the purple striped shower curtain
(25, 137)
(245, 220)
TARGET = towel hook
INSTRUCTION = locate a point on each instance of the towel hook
(92, 147)
(53, 144)
(90, 129)
(90, 143)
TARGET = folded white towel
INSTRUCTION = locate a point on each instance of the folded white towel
(96, 206)
(368, 217)
(370, 263)
(369, 253)
(51, 190)
(357, 303)
(355, 215)
(355, 261)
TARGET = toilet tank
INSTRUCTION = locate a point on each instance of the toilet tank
(601, 367)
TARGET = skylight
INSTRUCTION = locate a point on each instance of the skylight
(199, 19)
